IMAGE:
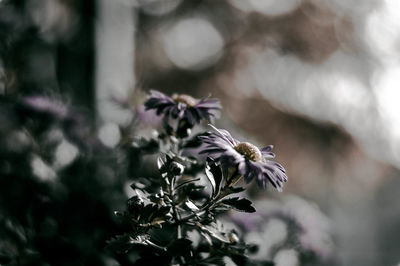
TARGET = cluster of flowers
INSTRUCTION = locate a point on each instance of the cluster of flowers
(247, 160)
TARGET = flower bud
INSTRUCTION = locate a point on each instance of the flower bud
(176, 168)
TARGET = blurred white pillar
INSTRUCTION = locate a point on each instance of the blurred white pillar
(115, 43)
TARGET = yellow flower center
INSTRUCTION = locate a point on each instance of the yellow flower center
(184, 98)
(249, 151)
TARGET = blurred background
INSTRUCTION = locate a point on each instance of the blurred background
(318, 79)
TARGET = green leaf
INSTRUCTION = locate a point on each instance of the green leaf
(231, 190)
(243, 205)
(214, 175)
(211, 178)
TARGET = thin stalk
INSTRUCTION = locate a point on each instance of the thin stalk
(176, 216)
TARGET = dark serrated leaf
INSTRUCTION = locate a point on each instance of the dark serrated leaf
(232, 190)
(243, 205)
(221, 209)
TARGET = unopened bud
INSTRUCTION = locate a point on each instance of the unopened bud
(233, 238)
(176, 168)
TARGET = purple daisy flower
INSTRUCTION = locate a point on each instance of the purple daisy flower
(182, 106)
(250, 161)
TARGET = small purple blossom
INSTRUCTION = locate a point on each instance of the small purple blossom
(182, 106)
(250, 161)
(43, 104)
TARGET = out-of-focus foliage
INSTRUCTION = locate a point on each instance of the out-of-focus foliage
(47, 47)
(59, 185)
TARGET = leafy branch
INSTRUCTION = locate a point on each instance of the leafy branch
(163, 215)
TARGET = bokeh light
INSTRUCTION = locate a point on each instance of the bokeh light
(193, 43)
